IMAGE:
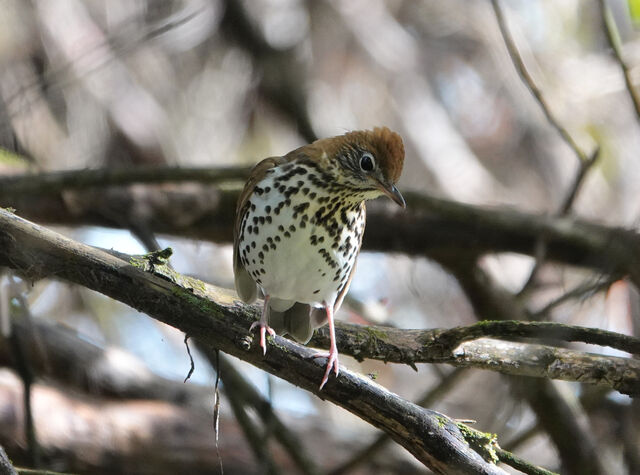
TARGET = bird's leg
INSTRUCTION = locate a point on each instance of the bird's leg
(264, 325)
(332, 356)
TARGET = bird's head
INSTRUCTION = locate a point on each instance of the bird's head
(366, 161)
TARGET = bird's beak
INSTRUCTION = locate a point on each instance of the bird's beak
(392, 192)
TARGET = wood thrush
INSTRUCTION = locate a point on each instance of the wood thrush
(299, 226)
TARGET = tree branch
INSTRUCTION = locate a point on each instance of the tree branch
(103, 435)
(430, 226)
(520, 359)
(611, 33)
(220, 321)
(443, 346)
(369, 451)
(531, 85)
(57, 354)
(558, 413)
(59, 181)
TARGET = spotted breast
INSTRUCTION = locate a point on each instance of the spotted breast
(299, 226)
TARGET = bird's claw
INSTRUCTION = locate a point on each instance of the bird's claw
(264, 329)
(332, 362)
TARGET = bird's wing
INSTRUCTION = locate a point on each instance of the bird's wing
(245, 285)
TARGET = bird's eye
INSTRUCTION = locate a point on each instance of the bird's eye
(366, 162)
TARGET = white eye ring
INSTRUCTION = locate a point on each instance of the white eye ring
(367, 162)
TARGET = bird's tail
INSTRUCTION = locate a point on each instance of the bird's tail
(299, 321)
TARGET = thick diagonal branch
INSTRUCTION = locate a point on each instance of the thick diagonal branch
(219, 321)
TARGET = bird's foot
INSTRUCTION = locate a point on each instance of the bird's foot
(264, 329)
(332, 362)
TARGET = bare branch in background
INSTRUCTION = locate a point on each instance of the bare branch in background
(283, 78)
(585, 161)
(430, 226)
(69, 180)
(24, 366)
(531, 85)
(578, 181)
(558, 413)
(613, 38)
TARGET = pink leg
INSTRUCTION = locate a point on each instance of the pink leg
(332, 356)
(264, 326)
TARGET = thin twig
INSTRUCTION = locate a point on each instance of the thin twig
(261, 451)
(578, 180)
(539, 256)
(565, 207)
(5, 317)
(250, 429)
(586, 161)
(238, 388)
(24, 369)
(611, 32)
(580, 291)
(518, 463)
(216, 411)
(530, 83)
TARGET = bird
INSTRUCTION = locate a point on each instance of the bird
(298, 230)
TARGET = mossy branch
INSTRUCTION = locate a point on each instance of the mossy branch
(217, 320)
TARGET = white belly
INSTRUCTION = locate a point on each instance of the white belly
(298, 256)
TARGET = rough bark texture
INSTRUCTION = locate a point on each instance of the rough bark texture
(516, 358)
(220, 321)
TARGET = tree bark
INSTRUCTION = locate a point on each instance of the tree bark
(430, 226)
(219, 321)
